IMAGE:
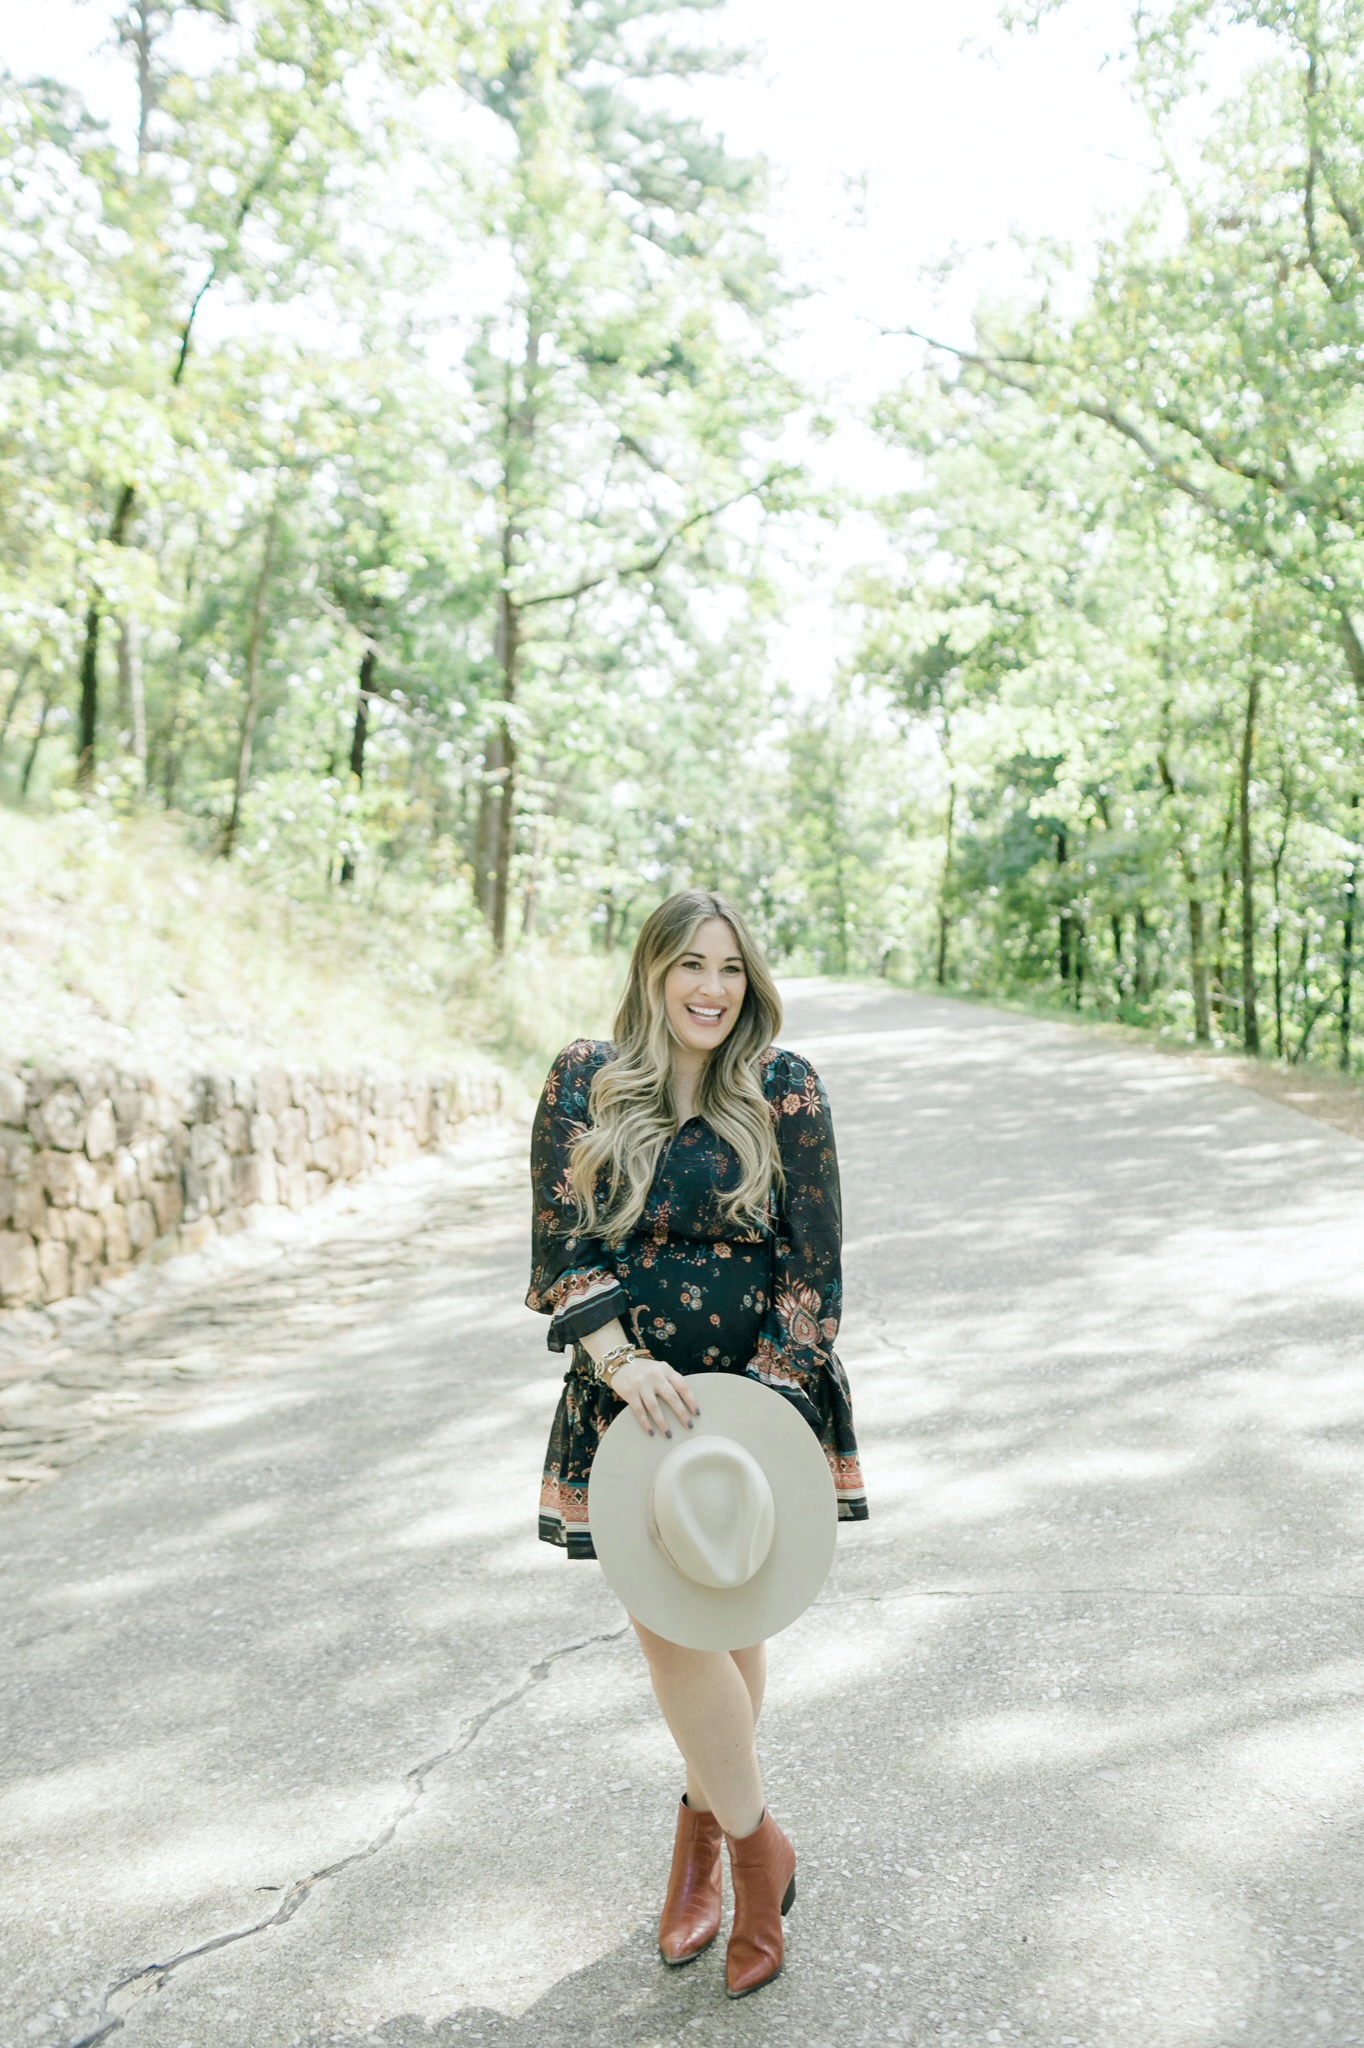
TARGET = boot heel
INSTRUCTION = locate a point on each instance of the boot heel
(790, 1898)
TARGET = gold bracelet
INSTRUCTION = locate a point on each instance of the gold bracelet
(605, 1368)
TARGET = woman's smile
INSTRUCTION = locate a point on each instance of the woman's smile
(703, 993)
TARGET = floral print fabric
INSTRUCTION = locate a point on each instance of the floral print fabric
(702, 1293)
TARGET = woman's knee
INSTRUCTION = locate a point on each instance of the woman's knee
(673, 1658)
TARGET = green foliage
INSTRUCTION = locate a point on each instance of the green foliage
(372, 445)
(389, 469)
(1133, 581)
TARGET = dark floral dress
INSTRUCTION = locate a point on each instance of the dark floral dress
(704, 1294)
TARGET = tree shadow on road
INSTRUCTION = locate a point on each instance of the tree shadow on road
(1071, 1747)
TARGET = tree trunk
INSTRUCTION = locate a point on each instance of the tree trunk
(1219, 965)
(15, 695)
(43, 710)
(138, 31)
(530, 901)
(359, 734)
(1276, 879)
(486, 828)
(1347, 951)
(89, 704)
(1063, 930)
(254, 648)
(88, 726)
(496, 840)
(944, 890)
(369, 661)
(1250, 1020)
(1140, 981)
(497, 798)
(1198, 966)
(132, 699)
(1198, 972)
(506, 828)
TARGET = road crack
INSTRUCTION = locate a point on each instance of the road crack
(127, 1991)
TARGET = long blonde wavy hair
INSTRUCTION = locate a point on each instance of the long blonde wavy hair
(634, 1111)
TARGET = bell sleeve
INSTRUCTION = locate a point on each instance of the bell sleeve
(573, 1278)
(795, 1347)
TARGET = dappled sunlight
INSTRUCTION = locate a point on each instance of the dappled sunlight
(1205, 1964)
(1076, 1707)
(213, 1832)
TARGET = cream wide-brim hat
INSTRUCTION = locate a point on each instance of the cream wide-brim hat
(719, 1537)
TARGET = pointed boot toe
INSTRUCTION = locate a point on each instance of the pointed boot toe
(691, 1912)
(763, 1868)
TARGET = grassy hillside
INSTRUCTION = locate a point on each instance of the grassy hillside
(119, 942)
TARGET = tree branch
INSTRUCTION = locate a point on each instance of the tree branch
(1110, 416)
(1316, 168)
(646, 563)
(248, 200)
(1102, 410)
(1336, 601)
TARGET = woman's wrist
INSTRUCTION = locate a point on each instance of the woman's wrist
(609, 1369)
(605, 1364)
(605, 1368)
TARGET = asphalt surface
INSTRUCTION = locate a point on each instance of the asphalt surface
(307, 1740)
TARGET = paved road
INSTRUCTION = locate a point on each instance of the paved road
(1072, 1746)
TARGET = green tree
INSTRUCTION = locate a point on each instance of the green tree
(624, 395)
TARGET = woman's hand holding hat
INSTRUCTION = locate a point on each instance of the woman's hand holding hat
(720, 1541)
(655, 1394)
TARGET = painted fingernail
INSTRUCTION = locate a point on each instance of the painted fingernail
(667, 1432)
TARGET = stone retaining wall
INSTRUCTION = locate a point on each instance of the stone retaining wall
(100, 1170)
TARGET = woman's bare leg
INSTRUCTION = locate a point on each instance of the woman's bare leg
(753, 1670)
(752, 1665)
(708, 1705)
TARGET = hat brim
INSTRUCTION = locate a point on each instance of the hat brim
(804, 1532)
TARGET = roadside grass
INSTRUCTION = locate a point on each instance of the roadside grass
(120, 942)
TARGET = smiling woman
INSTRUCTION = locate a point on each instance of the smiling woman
(704, 991)
(687, 1223)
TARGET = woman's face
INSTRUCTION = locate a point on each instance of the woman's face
(704, 990)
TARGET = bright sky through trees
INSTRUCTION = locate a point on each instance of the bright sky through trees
(913, 135)
(903, 135)
(908, 134)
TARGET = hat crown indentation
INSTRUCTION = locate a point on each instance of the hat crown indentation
(711, 1512)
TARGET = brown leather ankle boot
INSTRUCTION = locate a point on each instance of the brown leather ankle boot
(691, 1911)
(763, 1867)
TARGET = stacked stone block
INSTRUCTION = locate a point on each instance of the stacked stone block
(102, 1169)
